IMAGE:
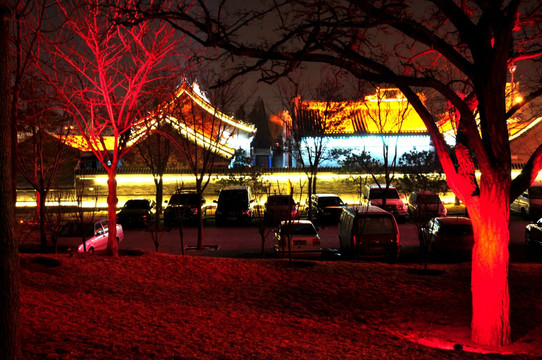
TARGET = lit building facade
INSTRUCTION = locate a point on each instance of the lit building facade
(193, 117)
(383, 122)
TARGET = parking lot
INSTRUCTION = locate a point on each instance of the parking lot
(245, 241)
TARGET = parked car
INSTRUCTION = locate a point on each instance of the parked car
(184, 205)
(449, 235)
(70, 236)
(327, 208)
(533, 233)
(280, 207)
(374, 195)
(137, 213)
(234, 205)
(303, 237)
(529, 204)
(368, 232)
(424, 205)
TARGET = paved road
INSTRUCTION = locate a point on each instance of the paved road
(240, 241)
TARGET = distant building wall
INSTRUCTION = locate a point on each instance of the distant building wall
(375, 144)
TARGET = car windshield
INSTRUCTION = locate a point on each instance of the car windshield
(456, 229)
(299, 229)
(379, 194)
(137, 204)
(184, 199)
(280, 200)
(535, 192)
(330, 201)
(376, 225)
(428, 199)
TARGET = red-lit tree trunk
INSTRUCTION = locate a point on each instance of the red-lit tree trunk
(112, 201)
(490, 264)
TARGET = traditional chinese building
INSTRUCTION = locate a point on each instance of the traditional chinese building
(381, 121)
(194, 118)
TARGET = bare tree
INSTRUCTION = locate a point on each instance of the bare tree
(421, 171)
(244, 174)
(103, 74)
(25, 37)
(40, 161)
(155, 151)
(387, 117)
(203, 134)
(462, 52)
(360, 166)
(309, 124)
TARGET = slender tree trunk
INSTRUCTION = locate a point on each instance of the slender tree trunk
(200, 215)
(313, 176)
(310, 195)
(112, 201)
(9, 255)
(489, 283)
(43, 214)
(159, 183)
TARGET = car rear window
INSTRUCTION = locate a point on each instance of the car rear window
(376, 225)
(183, 199)
(137, 204)
(456, 230)
(428, 199)
(299, 229)
(379, 194)
(330, 201)
(233, 195)
(280, 200)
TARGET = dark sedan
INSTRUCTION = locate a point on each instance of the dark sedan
(448, 235)
(533, 233)
(137, 213)
(184, 207)
(327, 208)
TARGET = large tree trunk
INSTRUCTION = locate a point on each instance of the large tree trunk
(112, 200)
(9, 256)
(490, 260)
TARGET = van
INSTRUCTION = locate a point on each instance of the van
(374, 195)
(368, 231)
(234, 205)
(280, 207)
(529, 204)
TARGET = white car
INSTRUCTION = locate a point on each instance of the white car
(303, 237)
(70, 237)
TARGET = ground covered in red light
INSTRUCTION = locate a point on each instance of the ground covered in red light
(151, 306)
